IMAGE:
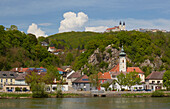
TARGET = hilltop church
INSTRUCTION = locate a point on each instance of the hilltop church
(117, 28)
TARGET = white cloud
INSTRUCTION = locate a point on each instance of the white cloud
(33, 29)
(45, 24)
(96, 29)
(73, 22)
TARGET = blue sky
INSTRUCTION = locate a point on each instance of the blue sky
(95, 15)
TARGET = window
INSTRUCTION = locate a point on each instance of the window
(6, 80)
(153, 82)
(11, 80)
(1, 80)
(158, 82)
(123, 61)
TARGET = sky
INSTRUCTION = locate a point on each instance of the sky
(48, 17)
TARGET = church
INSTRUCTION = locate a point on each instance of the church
(117, 28)
(121, 67)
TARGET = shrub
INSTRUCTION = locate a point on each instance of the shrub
(122, 89)
(157, 94)
(38, 90)
(24, 89)
(17, 89)
(59, 94)
(110, 89)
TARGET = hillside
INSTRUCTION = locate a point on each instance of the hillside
(149, 50)
(18, 49)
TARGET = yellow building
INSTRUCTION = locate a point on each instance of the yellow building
(7, 78)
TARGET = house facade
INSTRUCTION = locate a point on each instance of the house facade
(154, 81)
(82, 83)
(7, 77)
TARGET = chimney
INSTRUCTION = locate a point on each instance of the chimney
(16, 69)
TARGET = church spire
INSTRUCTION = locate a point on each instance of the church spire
(122, 53)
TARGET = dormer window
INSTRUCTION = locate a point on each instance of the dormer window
(12, 75)
(4, 75)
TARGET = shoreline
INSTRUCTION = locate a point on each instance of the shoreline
(77, 94)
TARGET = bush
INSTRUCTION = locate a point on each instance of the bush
(17, 89)
(38, 90)
(110, 89)
(122, 89)
(157, 94)
(24, 89)
(59, 94)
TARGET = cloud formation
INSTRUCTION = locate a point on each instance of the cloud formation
(73, 22)
(33, 29)
(96, 29)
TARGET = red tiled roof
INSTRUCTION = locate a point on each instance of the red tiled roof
(113, 28)
(105, 75)
(136, 69)
(115, 69)
(23, 69)
(59, 69)
(52, 47)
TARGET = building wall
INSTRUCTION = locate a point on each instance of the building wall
(12, 87)
(83, 86)
(22, 82)
(4, 81)
(122, 64)
(142, 77)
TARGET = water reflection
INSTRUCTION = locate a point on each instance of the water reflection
(84, 103)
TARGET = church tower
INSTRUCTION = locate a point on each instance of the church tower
(122, 60)
(120, 25)
(123, 28)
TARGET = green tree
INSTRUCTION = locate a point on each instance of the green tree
(121, 80)
(94, 78)
(132, 79)
(166, 79)
(69, 58)
(106, 85)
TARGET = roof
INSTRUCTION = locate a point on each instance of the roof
(136, 69)
(109, 81)
(8, 74)
(115, 69)
(19, 69)
(156, 75)
(59, 69)
(36, 70)
(74, 75)
(52, 47)
(105, 75)
(20, 77)
(82, 79)
(113, 28)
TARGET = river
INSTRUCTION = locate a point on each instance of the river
(87, 103)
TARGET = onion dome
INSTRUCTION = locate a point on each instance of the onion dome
(122, 53)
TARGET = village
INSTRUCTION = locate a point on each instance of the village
(72, 81)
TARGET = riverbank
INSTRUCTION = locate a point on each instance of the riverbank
(85, 94)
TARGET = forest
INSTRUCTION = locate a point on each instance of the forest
(18, 49)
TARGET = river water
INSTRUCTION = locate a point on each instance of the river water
(87, 103)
